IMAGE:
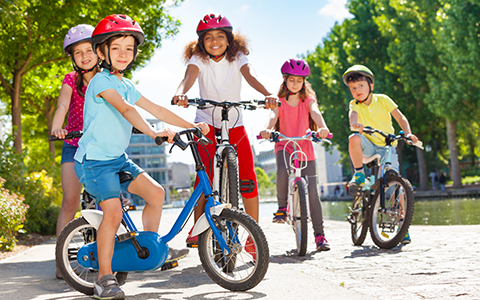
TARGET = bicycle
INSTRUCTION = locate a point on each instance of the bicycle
(386, 203)
(297, 208)
(223, 237)
(226, 180)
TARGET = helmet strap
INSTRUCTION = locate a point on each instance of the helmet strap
(109, 67)
(80, 70)
(369, 93)
(217, 56)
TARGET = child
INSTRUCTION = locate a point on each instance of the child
(219, 59)
(298, 112)
(374, 110)
(71, 98)
(108, 118)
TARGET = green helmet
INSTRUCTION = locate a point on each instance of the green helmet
(358, 69)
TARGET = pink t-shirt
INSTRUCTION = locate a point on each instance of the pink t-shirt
(75, 110)
(294, 122)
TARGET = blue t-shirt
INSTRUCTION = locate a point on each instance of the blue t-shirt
(106, 133)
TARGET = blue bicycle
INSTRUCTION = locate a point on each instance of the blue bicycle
(232, 247)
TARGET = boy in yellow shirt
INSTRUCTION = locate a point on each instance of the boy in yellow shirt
(374, 110)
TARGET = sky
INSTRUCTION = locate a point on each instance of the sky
(277, 29)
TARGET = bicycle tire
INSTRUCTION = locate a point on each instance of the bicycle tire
(77, 233)
(359, 220)
(386, 228)
(300, 218)
(248, 267)
(229, 189)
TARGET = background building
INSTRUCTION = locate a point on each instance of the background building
(150, 157)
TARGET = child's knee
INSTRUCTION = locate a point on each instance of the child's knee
(355, 140)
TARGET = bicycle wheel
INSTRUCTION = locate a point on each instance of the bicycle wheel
(358, 220)
(299, 218)
(248, 262)
(229, 190)
(76, 234)
(389, 224)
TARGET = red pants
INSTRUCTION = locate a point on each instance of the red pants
(246, 168)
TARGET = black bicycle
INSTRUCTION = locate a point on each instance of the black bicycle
(386, 203)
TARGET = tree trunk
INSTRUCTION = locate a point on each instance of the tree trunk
(422, 169)
(49, 110)
(452, 146)
(17, 112)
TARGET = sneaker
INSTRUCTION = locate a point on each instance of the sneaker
(176, 254)
(358, 179)
(107, 288)
(192, 241)
(280, 216)
(407, 239)
(250, 248)
(322, 243)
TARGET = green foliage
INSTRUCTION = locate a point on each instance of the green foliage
(262, 179)
(12, 217)
(36, 187)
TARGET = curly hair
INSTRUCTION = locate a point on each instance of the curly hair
(304, 93)
(238, 43)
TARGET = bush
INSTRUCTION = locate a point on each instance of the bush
(36, 188)
(12, 216)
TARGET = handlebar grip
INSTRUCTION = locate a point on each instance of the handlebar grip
(70, 135)
(259, 137)
(160, 140)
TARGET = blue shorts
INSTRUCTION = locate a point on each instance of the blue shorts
(68, 152)
(369, 149)
(100, 177)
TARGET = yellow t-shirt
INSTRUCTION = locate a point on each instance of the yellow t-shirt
(376, 115)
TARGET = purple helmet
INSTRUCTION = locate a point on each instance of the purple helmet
(77, 34)
(296, 66)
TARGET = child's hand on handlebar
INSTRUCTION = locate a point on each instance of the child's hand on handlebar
(271, 102)
(204, 127)
(413, 137)
(266, 134)
(180, 100)
(167, 132)
(60, 133)
(323, 132)
(357, 126)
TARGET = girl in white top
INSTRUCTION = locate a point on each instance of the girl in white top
(219, 60)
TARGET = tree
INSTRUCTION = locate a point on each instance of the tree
(32, 32)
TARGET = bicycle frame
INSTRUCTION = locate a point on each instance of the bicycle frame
(124, 261)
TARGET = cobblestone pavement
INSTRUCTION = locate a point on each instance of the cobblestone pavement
(442, 262)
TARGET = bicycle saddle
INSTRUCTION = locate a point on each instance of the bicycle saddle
(366, 160)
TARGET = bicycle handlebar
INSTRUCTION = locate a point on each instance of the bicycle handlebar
(391, 137)
(178, 140)
(248, 105)
(312, 135)
(70, 135)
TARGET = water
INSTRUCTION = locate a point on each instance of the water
(455, 211)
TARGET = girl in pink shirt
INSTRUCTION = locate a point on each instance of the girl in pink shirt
(70, 100)
(298, 113)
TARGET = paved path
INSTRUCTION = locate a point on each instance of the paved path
(443, 262)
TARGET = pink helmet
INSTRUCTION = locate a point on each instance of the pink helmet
(213, 22)
(77, 34)
(296, 67)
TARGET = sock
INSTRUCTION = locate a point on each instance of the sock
(359, 170)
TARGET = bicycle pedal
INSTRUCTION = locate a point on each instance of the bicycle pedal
(126, 236)
(355, 190)
(192, 245)
(169, 265)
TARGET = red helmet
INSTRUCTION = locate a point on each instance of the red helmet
(213, 22)
(116, 25)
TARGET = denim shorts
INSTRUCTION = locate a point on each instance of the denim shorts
(68, 152)
(100, 177)
(369, 149)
